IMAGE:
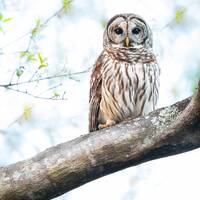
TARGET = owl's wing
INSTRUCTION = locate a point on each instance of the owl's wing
(95, 95)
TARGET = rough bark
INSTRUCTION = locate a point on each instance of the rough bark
(164, 132)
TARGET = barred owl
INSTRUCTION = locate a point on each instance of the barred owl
(125, 78)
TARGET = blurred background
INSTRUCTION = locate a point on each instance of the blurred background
(47, 49)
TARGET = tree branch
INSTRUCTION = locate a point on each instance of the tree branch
(164, 132)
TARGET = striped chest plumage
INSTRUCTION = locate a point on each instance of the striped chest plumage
(129, 89)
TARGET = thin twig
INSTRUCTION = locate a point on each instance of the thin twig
(15, 40)
(35, 96)
(51, 88)
(30, 32)
(45, 78)
(36, 71)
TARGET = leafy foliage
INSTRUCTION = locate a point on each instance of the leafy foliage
(30, 56)
(66, 5)
(19, 71)
(42, 61)
(38, 27)
(3, 20)
(27, 112)
(56, 94)
(179, 14)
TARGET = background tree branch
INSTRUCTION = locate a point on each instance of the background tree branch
(31, 57)
(164, 132)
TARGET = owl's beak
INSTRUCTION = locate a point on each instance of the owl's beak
(127, 41)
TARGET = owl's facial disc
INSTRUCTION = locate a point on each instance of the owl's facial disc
(128, 30)
(117, 31)
(137, 32)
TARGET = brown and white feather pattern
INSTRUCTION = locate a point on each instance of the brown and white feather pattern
(124, 84)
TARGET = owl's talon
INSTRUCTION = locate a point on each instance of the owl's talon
(102, 126)
(107, 124)
(128, 119)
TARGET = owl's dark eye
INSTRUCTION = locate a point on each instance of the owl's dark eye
(118, 31)
(136, 30)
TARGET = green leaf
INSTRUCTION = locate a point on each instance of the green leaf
(27, 112)
(7, 19)
(23, 53)
(179, 15)
(43, 65)
(39, 25)
(66, 5)
(38, 22)
(1, 16)
(40, 58)
(29, 56)
(42, 61)
(34, 31)
(56, 94)
(20, 71)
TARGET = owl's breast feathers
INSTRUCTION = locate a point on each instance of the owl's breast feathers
(124, 83)
(131, 55)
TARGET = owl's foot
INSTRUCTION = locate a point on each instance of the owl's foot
(128, 119)
(107, 124)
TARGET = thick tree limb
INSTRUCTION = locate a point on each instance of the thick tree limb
(69, 165)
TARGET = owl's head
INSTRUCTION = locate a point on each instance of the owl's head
(127, 30)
